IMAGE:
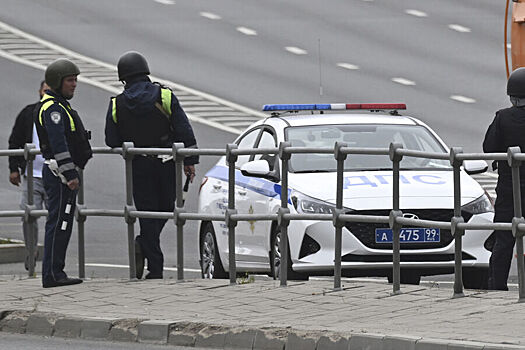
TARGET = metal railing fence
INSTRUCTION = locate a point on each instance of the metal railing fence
(283, 216)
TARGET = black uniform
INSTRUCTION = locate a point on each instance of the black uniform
(507, 130)
(150, 116)
(64, 139)
(21, 134)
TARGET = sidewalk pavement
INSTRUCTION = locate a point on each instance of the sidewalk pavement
(263, 315)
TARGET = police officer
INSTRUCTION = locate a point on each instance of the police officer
(507, 130)
(149, 115)
(65, 146)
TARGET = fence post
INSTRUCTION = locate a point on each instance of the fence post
(518, 217)
(179, 165)
(231, 159)
(126, 146)
(340, 157)
(28, 219)
(456, 219)
(394, 225)
(283, 210)
(81, 219)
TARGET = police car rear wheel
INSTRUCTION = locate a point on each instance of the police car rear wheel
(211, 266)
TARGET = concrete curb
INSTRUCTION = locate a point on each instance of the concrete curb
(16, 252)
(191, 334)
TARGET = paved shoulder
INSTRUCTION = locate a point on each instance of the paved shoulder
(211, 313)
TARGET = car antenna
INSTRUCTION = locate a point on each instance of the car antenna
(320, 71)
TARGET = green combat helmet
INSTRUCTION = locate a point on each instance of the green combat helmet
(58, 70)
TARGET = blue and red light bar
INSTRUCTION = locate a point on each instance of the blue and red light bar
(333, 106)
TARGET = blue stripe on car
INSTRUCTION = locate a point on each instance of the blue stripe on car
(258, 185)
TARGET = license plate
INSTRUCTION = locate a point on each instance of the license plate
(409, 235)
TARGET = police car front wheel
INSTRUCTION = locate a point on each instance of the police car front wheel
(275, 259)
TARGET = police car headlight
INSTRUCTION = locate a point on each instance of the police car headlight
(305, 204)
(481, 205)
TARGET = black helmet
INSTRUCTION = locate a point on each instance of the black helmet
(58, 70)
(131, 63)
(516, 83)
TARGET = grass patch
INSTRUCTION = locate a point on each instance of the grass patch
(6, 241)
(245, 279)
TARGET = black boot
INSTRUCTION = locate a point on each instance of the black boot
(139, 261)
(67, 281)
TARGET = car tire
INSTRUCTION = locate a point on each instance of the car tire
(476, 278)
(211, 265)
(275, 260)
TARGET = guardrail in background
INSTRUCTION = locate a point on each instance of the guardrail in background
(283, 216)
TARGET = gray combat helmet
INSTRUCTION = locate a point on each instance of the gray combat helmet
(58, 70)
(516, 83)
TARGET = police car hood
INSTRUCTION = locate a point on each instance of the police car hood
(373, 189)
(141, 96)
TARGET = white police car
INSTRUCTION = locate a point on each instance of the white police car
(426, 190)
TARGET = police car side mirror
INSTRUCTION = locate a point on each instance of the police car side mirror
(259, 168)
(475, 166)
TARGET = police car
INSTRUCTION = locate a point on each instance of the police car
(426, 192)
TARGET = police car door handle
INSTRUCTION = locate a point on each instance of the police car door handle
(217, 186)
(242, 192)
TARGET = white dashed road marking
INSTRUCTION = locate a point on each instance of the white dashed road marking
(210, 15)
(463, 99)
(459, 28)
(349, 66)
(246, 31)
(404, 81)
(296, 50)
(416, 13)
(166, 2)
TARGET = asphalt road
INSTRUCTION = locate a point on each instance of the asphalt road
(444, 59)
(378, 36)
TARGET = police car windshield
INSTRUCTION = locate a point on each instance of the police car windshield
(413, 137)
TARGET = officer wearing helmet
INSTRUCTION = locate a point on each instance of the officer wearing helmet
(507, 130)
(65, 147)
(149, 115)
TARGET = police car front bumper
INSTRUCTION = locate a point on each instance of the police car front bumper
(357, 255)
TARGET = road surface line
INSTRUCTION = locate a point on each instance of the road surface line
(166, 2)
(404, 81)
(348, 66)
(463, 99)
(246, 31)
(296, 50)
(104, 75)
(416, 13)
(127, 267)
(210, 15)
(459, 28)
